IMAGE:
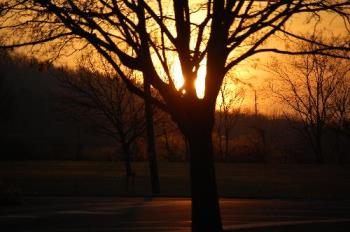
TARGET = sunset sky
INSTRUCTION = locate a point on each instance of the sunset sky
(251, 73)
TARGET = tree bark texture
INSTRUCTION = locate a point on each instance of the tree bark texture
(205, 202)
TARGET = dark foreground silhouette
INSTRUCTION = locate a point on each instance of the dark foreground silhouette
(302, 227)
(98, 214)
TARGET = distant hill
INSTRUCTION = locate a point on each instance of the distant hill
(32, 128)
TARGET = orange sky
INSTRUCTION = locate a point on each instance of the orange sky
(251, 72)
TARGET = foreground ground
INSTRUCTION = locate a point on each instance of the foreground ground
(68, 214)
(95, 196)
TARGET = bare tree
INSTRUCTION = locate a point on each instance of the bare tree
(102, 102)
(340, 123)
(312, 87)
(341, 101)
(229, 106)
(168, 132)
(146, 36)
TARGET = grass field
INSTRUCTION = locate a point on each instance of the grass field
(87, 178)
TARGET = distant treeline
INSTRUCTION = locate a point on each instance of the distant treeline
(55, 114)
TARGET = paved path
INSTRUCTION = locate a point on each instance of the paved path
(66, 214)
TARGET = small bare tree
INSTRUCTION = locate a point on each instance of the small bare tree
(228, 108)
(340, 123)
(103, 103)
(341, 119)
(312, 87)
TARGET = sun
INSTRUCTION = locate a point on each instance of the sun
(177, 74)
(200, 81)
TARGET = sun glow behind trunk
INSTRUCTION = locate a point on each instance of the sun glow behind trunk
(200, 81)
(177, 74)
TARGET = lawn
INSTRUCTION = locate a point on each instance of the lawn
(89, 178)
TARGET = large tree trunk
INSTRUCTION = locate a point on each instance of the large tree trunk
(195, 119)
(205, 202)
